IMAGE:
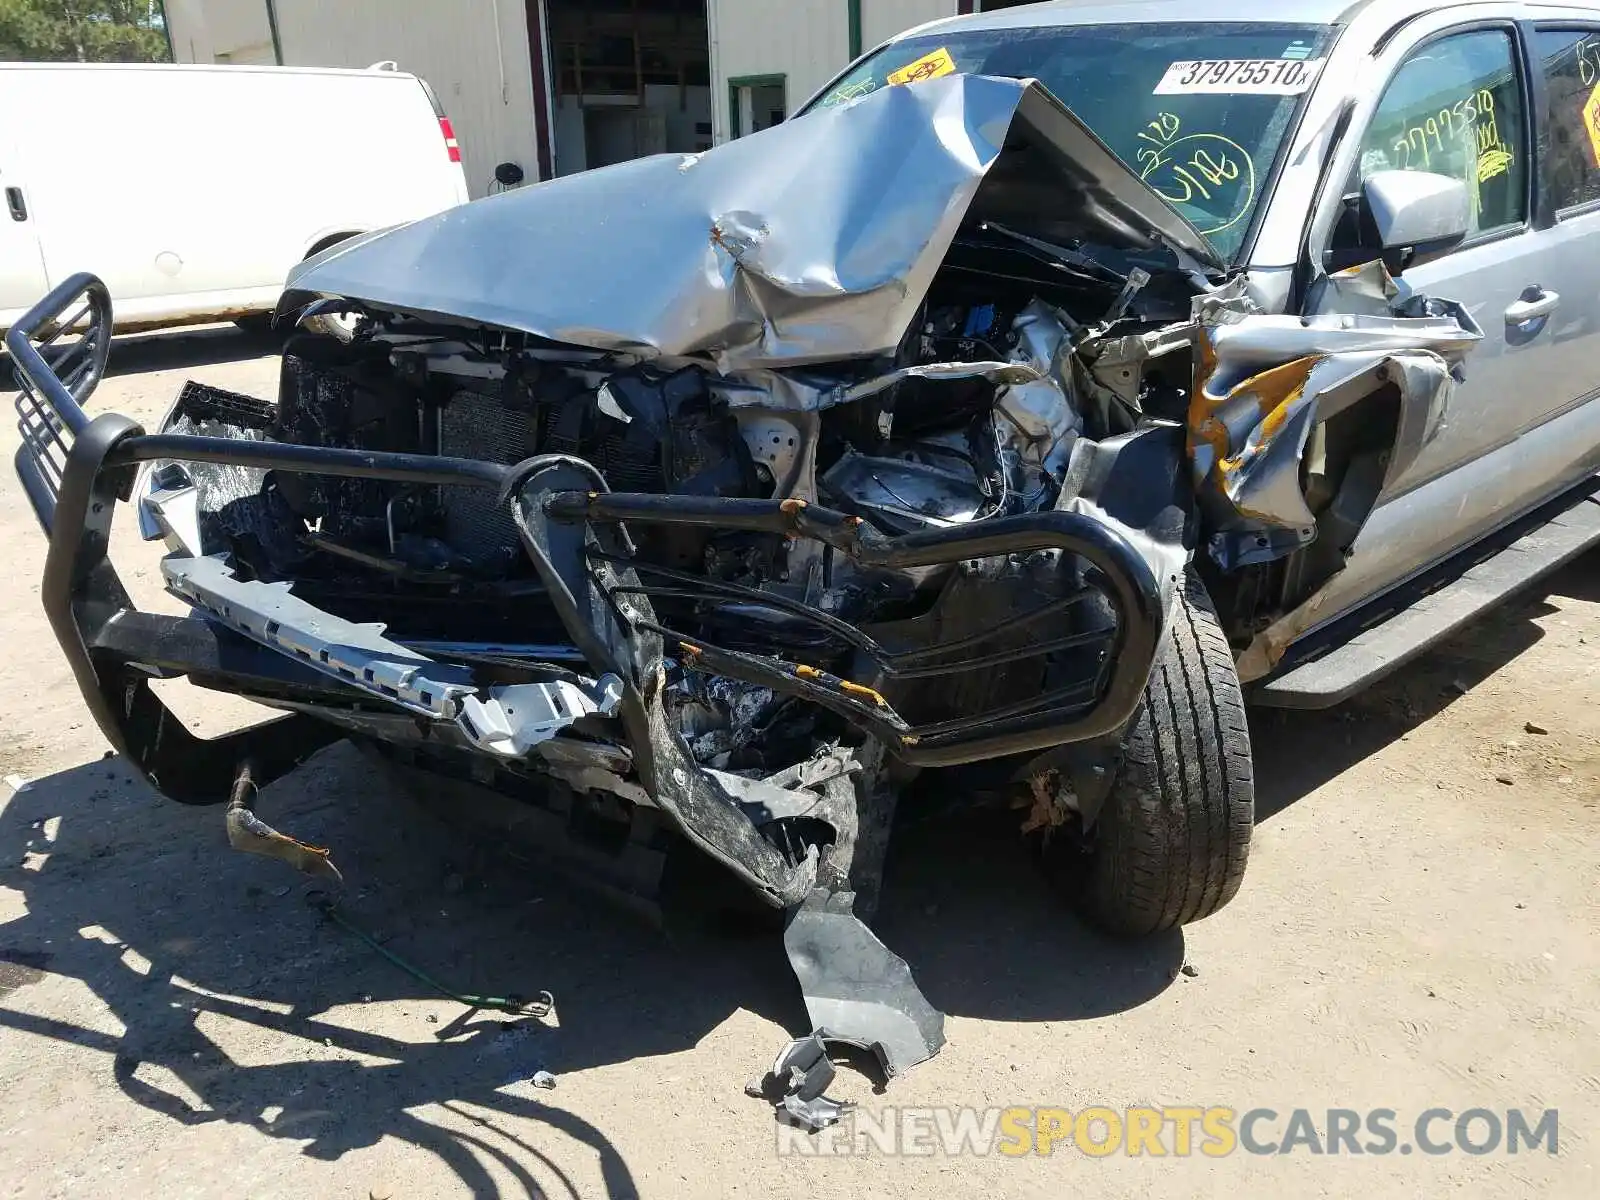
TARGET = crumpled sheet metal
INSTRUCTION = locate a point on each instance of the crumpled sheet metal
(808, 242)
(1367, 289)
(1243, 441)
(858, 991)
(1425, 384)
(1263, 381)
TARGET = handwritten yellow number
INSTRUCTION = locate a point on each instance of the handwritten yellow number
(1217, 170)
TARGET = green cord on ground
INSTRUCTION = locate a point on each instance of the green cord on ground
(515, 1005)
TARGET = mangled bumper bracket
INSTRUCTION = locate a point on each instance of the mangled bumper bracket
(74, 470)
(1127, 581)
(856, 990)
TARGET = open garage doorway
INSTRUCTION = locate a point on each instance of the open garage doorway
(629, 78)
(756, 102)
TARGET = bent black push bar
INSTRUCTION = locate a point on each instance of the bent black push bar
(75, 468)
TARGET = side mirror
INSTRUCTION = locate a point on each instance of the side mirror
(1415, 211)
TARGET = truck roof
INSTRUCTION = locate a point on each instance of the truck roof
(1111, 12)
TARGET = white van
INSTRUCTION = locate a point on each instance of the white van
(191, 190)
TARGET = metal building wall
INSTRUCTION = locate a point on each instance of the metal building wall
(882, 19)
(806, 41)
(207, 31)
(486, 83)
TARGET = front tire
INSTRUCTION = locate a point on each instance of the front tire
(1171, 841)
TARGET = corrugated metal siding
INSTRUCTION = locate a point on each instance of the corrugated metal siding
(205, 31)
(485, 87)
(453, 47)
(805, 40)
(882, 19)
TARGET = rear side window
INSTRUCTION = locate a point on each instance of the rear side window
(1454, 107)
(1571, 61)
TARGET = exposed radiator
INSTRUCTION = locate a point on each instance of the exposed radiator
(475, 425)
(478, 425)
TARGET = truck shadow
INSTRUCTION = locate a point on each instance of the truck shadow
(988, 937)
(1298, 752)
(239, 999)
(180, 349)
(172, 350)
(187, 944)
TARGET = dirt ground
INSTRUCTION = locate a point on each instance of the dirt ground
(1417, 930)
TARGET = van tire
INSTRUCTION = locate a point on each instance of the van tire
(256, 324)
(261, 323)
(1170, 843)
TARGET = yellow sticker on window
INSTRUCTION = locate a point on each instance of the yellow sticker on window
(1591, 122)
(929, 66)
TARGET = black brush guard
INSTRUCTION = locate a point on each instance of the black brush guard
(74, 469)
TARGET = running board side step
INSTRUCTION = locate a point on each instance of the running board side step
(1412, 631)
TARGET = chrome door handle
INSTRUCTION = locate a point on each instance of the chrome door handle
(1534, 303)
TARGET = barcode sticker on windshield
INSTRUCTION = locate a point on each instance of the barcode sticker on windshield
(1233, 76)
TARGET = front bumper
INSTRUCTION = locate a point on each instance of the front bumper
(260, 641)
(74, 470)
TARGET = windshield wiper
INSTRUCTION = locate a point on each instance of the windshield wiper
(1064, 255)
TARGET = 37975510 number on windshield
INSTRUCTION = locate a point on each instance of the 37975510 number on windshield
(1230, 76)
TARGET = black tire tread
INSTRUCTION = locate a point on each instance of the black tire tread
(1173, 838)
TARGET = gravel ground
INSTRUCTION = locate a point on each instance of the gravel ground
(1417, 930)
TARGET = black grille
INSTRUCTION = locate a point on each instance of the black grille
(628, 455)
(475, 425)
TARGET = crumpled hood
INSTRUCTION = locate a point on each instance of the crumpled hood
(811, 241)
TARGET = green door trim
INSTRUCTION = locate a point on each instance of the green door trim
(735, 82)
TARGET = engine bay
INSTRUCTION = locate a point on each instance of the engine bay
(974, 419)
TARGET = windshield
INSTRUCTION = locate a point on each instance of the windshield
(1195, 110)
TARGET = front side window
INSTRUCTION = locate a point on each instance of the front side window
(1198, 111)
(1454, 108)
(1572, 83)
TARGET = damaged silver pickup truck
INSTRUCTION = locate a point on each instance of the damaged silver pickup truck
(944, 427)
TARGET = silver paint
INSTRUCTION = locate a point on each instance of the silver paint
(810, 242)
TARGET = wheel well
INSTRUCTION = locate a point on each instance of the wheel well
(333, 239)
(1343, 468)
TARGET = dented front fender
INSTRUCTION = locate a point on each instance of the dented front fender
(1263, 382)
